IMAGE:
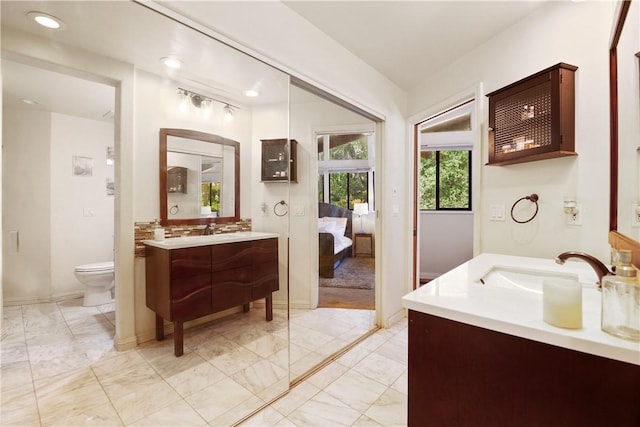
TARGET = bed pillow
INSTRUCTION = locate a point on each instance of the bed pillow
(340, 225)
(325, 226)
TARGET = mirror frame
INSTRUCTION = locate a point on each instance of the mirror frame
(617, 240)
(200, 136)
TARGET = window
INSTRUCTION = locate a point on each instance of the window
(210, 195)
(445, 160)
(345, 169)
(348, 188)
(445, 178)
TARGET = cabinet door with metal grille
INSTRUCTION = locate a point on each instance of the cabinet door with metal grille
(534, 118)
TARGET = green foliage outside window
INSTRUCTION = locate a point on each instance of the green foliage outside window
(354, 150)
(210, 192)
(348, 188)
(445, 180)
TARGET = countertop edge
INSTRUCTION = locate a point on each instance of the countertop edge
(256, 235)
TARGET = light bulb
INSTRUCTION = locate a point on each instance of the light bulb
(183, 101)
(228, 113)
(206, 106)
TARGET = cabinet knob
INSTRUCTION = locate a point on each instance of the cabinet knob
(491, 129)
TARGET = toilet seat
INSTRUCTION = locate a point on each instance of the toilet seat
(95, 267)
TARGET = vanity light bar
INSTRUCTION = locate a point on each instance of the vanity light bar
(198, 100)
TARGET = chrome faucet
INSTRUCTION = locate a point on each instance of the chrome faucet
(597, 265)
(208, 230)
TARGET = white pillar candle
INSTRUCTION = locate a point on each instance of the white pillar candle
(562, 302)
(158, 233)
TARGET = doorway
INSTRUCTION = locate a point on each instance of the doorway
(444, 177)
(346, 165)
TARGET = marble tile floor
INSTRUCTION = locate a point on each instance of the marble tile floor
(58, 367)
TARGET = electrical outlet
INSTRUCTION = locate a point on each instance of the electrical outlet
(575, 218)
(635, 216)
(496, 212)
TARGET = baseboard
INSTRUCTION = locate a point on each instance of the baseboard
(125, 344)
(396, 317)
(41, 300)
(429, 275)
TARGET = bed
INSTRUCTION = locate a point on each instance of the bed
(334, 237)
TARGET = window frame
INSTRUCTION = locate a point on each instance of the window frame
(448, 141)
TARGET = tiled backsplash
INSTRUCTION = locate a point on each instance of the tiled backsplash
(144, 231)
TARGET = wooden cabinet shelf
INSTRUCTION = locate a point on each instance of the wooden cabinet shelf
(279, 162)
(534, 118)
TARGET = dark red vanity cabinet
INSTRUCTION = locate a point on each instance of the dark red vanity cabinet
(462, 375)
(188, 283)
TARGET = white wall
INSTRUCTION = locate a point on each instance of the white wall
(575, 33)
(446, 241)
(62, 220)
(82, 218)
(26, 166)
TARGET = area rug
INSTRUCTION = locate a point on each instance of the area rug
(354, 273)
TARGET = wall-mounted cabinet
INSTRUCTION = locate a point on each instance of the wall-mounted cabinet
(177, 179)
(279, 164)
(534, 118)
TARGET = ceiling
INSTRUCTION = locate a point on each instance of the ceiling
(141, 37)
(409, 40)
(404, 40)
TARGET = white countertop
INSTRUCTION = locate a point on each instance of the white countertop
(214, 239)
(458, 295)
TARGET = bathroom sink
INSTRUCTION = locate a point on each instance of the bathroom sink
(522, 278)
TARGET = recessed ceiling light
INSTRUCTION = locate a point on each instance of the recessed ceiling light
(46, 20)
(29, 101)
(252, 93)
(171, 62)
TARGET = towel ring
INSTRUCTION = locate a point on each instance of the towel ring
(534, 199)
(283, 211)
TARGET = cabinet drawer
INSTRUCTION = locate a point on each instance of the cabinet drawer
(190, 262)
(231, 255)
(229, 294)
(193, 305)
(264, 286)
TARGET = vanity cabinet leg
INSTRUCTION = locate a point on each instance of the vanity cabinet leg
(178, 338)
(269, 307)
(159, 328)
(245, 308)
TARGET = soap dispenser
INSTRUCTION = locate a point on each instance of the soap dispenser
(621, 299)
(158, 231)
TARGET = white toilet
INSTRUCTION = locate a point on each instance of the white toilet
(99, 280)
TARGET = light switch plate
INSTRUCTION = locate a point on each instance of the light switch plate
(496, 212)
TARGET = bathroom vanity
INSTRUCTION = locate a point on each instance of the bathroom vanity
(191, 277)
(480, 353)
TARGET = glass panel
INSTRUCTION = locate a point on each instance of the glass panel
(320, 188)
(323, 325)
(348, 147)
(338, 189)
(454, 179)
(358, 182)
(427, 180)
(460, 123)
(321, 148)
(99, 54)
